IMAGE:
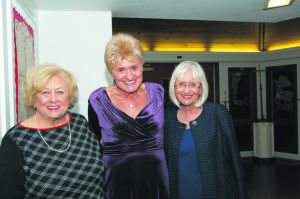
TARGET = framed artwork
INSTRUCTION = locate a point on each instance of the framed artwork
(24, 59)
(242, 92)
(282, 106)
(242, 104)
(282, 83)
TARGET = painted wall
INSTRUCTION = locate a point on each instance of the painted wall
(3, 123)
(7, 103)
(76, 42)
(72, 40)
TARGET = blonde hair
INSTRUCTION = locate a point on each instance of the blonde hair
(122, 46)
(37, 78)
(198, 73)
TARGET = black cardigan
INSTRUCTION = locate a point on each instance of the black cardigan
(217, 152)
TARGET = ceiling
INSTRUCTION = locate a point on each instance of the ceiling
(211, 10)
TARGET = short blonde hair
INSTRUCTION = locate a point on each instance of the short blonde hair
(122, 46)
(37, 78)
(198, 73)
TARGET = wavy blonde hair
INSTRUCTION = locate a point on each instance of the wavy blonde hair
(37, 78)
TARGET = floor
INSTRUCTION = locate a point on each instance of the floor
(272, 179)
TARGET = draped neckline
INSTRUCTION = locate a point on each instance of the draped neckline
(123, 112)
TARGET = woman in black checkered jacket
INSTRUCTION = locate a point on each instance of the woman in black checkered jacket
(53, 153)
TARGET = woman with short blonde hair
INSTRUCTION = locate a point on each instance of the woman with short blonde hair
(53, 153)
(128, 117)
(37, 78)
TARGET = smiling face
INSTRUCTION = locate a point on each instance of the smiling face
(52, 102)
(128, 75)
(187, 89)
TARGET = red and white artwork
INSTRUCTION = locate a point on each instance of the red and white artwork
(24, 59)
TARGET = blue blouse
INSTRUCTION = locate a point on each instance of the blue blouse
(189, 176)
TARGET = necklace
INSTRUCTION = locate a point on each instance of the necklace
(53, 149)
(130, 105)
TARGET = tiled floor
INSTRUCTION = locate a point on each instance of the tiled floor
(278, 179)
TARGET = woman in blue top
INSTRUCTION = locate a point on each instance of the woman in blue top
(200, 144)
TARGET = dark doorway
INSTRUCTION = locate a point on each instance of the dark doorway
(242, 104)
(282, 106)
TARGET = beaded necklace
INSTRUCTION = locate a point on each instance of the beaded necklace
(53, 149)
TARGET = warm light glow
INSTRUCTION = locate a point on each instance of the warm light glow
(167, 47)
(278, 3)
(283, 46)
(202, 50)
(234, 48)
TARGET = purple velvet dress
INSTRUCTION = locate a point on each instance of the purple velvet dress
(133, 155)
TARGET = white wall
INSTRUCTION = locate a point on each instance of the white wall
(2, 73)
(76, 42)
(73, 40)
(7, 103)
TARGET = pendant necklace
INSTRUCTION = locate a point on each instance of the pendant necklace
(53, 149)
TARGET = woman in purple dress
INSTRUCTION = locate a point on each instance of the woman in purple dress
(128, 117)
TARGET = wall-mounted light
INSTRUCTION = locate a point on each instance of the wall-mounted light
(278, 3)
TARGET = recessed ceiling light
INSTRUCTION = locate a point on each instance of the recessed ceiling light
(278, 3)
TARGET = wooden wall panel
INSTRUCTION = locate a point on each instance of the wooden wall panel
(189, 34)
(192, 35)
(282, 34)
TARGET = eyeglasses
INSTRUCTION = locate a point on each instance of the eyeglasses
(193, 85)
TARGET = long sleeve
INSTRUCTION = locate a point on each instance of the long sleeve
(93, 121)
(226, 124)
(11, 172)
(217, 153)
